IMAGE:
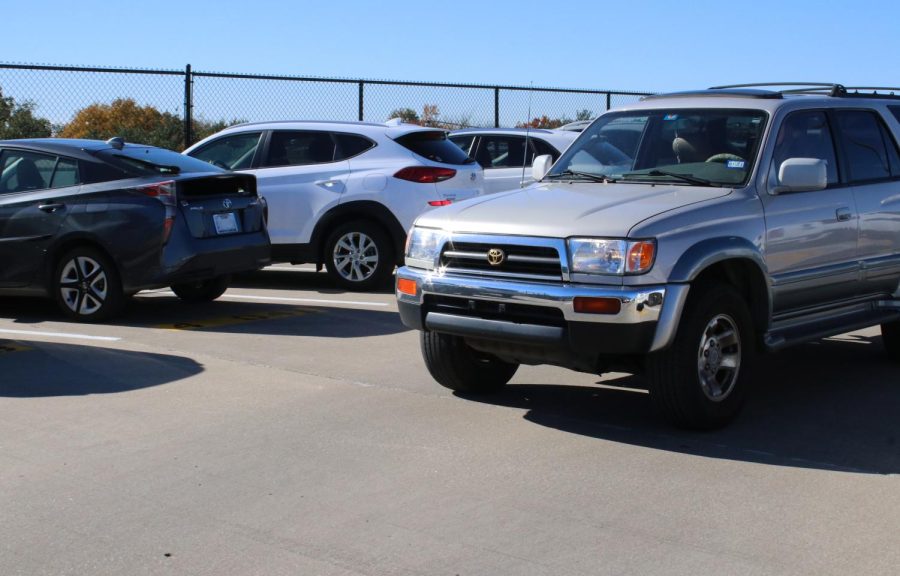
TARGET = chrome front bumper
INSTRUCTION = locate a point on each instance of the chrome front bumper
(659, 304)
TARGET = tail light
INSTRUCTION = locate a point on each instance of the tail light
(165, 193)
(425, 174)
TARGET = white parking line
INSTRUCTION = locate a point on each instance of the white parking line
(60, 335)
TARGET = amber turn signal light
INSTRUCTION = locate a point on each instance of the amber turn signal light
(406, 286)
(597, 305)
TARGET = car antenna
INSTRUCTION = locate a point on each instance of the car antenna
(527, 134)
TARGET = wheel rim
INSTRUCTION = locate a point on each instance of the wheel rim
(83, 285)
(355, 257)
(719, 357)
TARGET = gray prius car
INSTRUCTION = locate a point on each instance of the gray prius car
(89, 223)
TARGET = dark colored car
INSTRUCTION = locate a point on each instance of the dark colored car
(90, 223)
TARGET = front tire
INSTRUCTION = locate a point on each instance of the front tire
(701, 380)
(359, 256)
(890, 336)
(458, 367)
(86, 285)
(202, 290)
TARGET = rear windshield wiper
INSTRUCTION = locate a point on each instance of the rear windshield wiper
(685, 177)
(587, 175)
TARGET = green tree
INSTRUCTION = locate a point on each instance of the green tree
(405, 114)
(584, 114)
(201, 128)
(17, 120)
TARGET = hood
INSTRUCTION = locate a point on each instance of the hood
(561, 209)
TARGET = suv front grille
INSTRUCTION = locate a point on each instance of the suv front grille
(503, 260)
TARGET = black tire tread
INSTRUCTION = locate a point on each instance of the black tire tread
(458, 367)
(890, 337)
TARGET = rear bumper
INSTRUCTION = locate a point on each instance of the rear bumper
(203, 258)
(535, 323)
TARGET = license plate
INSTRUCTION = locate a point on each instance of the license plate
(225, 223)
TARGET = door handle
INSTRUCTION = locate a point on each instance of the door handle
(843, 214)
(331, 184)
(51, 207)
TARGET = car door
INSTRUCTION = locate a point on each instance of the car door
(301, 179)
(503, 159)
(873, 166)
(811, 237)
(37, 191)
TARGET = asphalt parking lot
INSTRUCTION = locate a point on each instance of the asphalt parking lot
(291, 428)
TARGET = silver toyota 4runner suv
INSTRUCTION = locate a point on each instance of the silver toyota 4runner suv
(678, 237)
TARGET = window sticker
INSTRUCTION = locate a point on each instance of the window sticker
(670, 117)
(735, 164)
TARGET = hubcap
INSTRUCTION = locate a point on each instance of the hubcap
(83, 285)
(355, 257)
(719, 357)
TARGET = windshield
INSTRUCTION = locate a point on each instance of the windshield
(147, 161)
(694, 147)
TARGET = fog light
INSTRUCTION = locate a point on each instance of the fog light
(406, 286)
(598, 305)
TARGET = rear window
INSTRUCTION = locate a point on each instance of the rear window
(435, 146)
(150, 161)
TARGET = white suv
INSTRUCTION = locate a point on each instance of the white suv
(502, 152)
(343, 194)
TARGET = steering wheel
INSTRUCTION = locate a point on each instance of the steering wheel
(724, 157)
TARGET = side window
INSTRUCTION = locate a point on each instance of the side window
(23, 171)
(464, 142)
(891, 145)
(862, 137)
(288, 148)
(501, 151)
(540, 148)
(65, 174)
(805, 135)
(233, 152)
(350, 145)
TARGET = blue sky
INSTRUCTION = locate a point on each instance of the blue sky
(645, 45)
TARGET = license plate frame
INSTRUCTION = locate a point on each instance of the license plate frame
(225, 223)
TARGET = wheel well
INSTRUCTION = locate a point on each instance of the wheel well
(749, 281)
(369, 211)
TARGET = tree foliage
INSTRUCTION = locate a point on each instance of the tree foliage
(407, 115)
(138, 124)
(17, 120)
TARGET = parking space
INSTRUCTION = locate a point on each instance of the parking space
(292, 428)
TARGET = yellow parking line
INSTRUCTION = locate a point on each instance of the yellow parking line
(232, 319)
(8, 346)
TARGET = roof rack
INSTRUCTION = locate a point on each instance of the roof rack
(822, 89)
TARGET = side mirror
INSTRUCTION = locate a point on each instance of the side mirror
(801, 175)
(541, 166)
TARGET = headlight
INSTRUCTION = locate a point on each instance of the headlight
(423, 246)
(605, 256)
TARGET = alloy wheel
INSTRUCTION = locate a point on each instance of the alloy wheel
(719, 357)
(83, 285)
(355, 256)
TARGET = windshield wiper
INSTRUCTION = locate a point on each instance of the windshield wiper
(587, 175)
(685, 177)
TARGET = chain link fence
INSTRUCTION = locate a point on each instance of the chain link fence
(195, 103)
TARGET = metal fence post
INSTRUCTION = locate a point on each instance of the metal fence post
(361, 90)
(496, 107)
(608, 100)
(188, 107)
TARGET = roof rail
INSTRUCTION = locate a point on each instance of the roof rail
(824, 88)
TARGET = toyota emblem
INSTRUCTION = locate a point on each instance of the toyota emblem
(495, 256)
(226, 203)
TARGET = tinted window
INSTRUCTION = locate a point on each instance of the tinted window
(351, 145)
(149, 161)
(541, 148)
(464, 142)
(234, 152)
(805, 135)
(891, 145)
(65, 174)
(434, 145)
(288, 148)
(895, 110)
(501, 151)
(23, 171)
(866, 154)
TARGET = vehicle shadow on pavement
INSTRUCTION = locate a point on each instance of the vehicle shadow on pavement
(225, 316)
(296, 279)
(39, 369)
(830, 405)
